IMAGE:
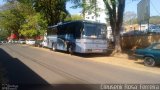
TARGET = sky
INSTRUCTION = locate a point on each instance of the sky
(131, 5)
(1, 2)
(154, 6)
(71, 10)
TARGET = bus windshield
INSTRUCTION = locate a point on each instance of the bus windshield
(94, 31)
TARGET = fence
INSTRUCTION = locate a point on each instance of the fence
(139, 41)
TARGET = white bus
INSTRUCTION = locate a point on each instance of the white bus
(78, 37)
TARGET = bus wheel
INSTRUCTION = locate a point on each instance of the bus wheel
(70, 49)
(42, 46)
(53, 47)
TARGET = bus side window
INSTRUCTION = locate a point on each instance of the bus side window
(69, 37)
(78, 30)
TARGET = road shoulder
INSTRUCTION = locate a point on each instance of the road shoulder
(126, 63)
(117, 61)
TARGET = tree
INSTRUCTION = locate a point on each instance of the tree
(155, 20)
(73, 18)
(3, 34)
(129, 16)
(33, 26)
(87, 6)
(54, 11)
(115, 11)
(11, 18)
(80, 4)
(20, 18)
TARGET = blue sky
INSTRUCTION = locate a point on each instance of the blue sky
(154, 6)
(130, 6)
(1, 2)
(73, 11)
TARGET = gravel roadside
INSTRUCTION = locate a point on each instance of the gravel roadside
(127, 63)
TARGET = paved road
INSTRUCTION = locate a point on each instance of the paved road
(26, 65)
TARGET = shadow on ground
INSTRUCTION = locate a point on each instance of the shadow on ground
(130, 54)
(142, 63)
(86, 55)
(18, 74)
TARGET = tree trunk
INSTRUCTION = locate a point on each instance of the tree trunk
(119, 22)
(117, 44)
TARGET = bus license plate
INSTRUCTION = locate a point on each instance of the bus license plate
(97, 50)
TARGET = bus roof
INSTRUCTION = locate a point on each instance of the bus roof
(82, 21)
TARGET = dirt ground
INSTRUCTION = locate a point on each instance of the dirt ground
(126, 61)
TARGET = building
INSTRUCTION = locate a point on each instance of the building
(101, 13)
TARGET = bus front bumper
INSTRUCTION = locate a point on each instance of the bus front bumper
(94, 51)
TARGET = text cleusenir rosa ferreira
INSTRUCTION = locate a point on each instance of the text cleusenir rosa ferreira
(130, 86)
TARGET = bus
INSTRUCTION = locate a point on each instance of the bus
(78, 37)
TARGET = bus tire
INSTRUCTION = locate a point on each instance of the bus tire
(42, 46)
(70, 49)
(54, 47)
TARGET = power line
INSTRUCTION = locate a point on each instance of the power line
(154, 8)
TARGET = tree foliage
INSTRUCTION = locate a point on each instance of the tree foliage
(20, 18)
(155, 20)
(80, 4)
(11, 18)
(3, 34)
(87, 6)
(30, 18)
(73, 18)
(54, 11)
(130, 18)
(33, 26)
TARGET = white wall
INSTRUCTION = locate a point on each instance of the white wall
(101, 13)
